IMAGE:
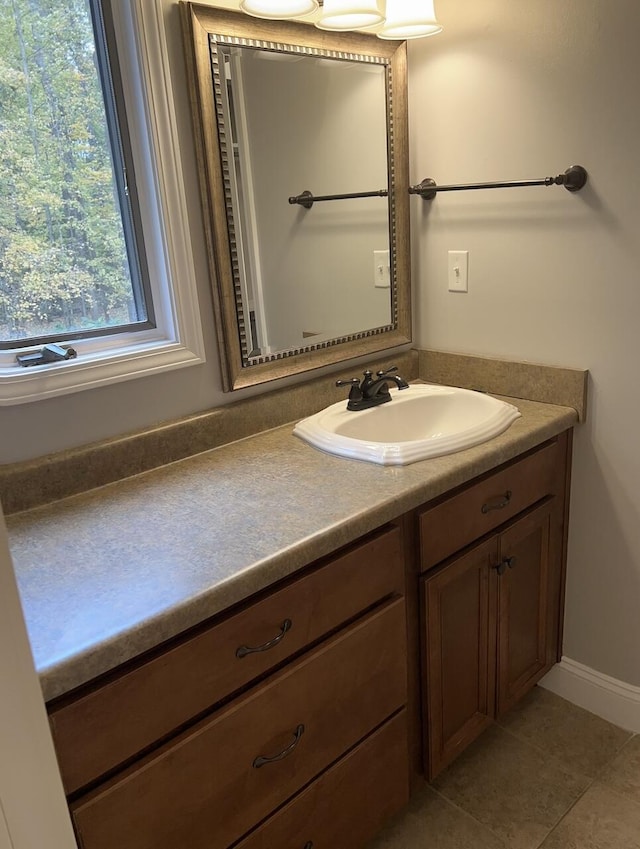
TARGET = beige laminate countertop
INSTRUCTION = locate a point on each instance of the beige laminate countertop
(108, 574)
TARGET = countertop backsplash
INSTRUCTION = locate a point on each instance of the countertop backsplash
(50, 478)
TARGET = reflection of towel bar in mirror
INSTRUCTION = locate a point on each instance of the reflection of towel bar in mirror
(307, 198)
(275, 277)
(573, 179)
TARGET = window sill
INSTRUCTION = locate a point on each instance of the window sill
(19, 385)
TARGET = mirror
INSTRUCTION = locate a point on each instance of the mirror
(302, 146)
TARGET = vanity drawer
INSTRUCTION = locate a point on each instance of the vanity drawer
(467, 516)
(110, 724)
(206, 789)
(350, 802)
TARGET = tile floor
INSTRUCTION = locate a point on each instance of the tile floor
(548, 775)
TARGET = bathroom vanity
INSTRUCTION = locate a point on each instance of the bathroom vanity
(279, 669)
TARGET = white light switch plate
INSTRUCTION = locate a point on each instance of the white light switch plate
(381, 270)
(458, 271)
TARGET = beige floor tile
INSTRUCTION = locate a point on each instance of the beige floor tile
(430, 822)
(517, 782)
(602, 819)
(511, 787)
(582, 741)
(623, 774)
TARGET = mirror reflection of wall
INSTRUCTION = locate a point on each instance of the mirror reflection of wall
(296, 289)
(319, 124)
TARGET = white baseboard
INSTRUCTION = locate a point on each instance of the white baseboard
(607, 697)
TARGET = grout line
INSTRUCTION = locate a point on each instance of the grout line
(4, 827)
(462, 811)
(596, 780)
(623, 746)
(557, 760)
(592, 781)
(548, 756)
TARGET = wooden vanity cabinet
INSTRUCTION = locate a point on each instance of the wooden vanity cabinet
(300, 717)
(312, 720)
(492, 611)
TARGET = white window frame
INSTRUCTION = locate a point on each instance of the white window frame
(177, 339)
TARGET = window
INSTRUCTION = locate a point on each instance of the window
(88, 253)
(69, 261)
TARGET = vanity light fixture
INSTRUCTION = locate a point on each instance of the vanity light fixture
(393, 19)
(278, 9)
(344, 15)
(408, 19)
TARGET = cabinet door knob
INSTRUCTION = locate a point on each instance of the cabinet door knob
(243, 651)
(501, 567)
(261, 760)
(497, 503)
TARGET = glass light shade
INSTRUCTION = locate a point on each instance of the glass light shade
(277, 9)
(409, 19)
(343, 15)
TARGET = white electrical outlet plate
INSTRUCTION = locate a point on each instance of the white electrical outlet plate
(458, 271)
(381, 270)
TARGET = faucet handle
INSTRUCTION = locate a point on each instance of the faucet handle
(355, 393)
(390, 370)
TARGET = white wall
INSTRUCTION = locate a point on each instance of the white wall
(514, 90)
(33, 811)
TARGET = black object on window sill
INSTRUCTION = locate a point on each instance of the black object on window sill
(47, 354)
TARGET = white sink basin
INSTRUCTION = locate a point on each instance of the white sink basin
(419, 422)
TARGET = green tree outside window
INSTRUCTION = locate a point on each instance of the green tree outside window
(64, 265)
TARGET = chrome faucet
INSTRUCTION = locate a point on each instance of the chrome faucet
(370, 391)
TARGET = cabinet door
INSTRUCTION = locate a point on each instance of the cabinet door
(524, 605)
(459, 649)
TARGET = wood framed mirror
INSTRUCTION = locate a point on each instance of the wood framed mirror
(283, 111)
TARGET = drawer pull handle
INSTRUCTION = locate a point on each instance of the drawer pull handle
(243, 651)
(308, 845)
(497, 503)
(262, 759)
